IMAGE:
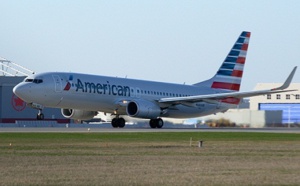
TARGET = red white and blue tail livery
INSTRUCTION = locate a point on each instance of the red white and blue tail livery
(81, 96)
(229, 76)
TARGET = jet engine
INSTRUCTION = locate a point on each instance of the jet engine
(143, 109)
(78, 114)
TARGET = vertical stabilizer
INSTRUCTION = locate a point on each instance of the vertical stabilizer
(229, 75)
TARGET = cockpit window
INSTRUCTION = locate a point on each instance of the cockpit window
(37, 81)
(28, 80)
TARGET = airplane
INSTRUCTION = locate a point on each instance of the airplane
(82, 96)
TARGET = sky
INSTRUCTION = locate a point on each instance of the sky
(171, 41)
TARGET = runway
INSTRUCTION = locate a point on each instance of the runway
(133, 130)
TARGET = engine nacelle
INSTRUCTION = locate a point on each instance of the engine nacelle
(143, 109)
(78, 114)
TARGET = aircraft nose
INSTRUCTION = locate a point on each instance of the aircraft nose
(21, 91)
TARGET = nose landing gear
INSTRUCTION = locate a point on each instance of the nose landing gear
(40, 115)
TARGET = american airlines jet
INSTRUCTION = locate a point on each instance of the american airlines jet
(82, 96)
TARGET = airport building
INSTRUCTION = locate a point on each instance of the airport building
(282, 109)
(13, 109)
(287, 102)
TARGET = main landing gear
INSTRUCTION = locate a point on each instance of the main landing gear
(156, 123)
(118, 122)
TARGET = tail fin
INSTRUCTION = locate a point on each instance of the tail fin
(229, 75)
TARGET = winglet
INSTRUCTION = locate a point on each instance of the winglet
(287, 82)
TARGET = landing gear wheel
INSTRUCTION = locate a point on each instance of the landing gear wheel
(114, 123)
(118, 122)
(40, 116)
(152, 123)
(160, 123)
(121, 122)
(156, 123)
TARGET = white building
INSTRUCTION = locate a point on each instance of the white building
(267, 110)
(287, 102)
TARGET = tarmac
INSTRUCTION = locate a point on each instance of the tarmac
(133, 130)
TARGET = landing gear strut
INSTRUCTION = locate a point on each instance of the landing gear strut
(156, 123)
(118, 122)
(40, 115)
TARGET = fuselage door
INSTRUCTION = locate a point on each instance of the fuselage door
(57, 83)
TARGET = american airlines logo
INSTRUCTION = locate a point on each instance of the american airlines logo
(100, 88)
(69, 83)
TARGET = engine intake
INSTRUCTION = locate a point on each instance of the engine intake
(78, 114)
(143, 109)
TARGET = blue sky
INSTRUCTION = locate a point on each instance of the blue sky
(170, 41)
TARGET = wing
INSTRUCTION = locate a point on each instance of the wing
(238, 95)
